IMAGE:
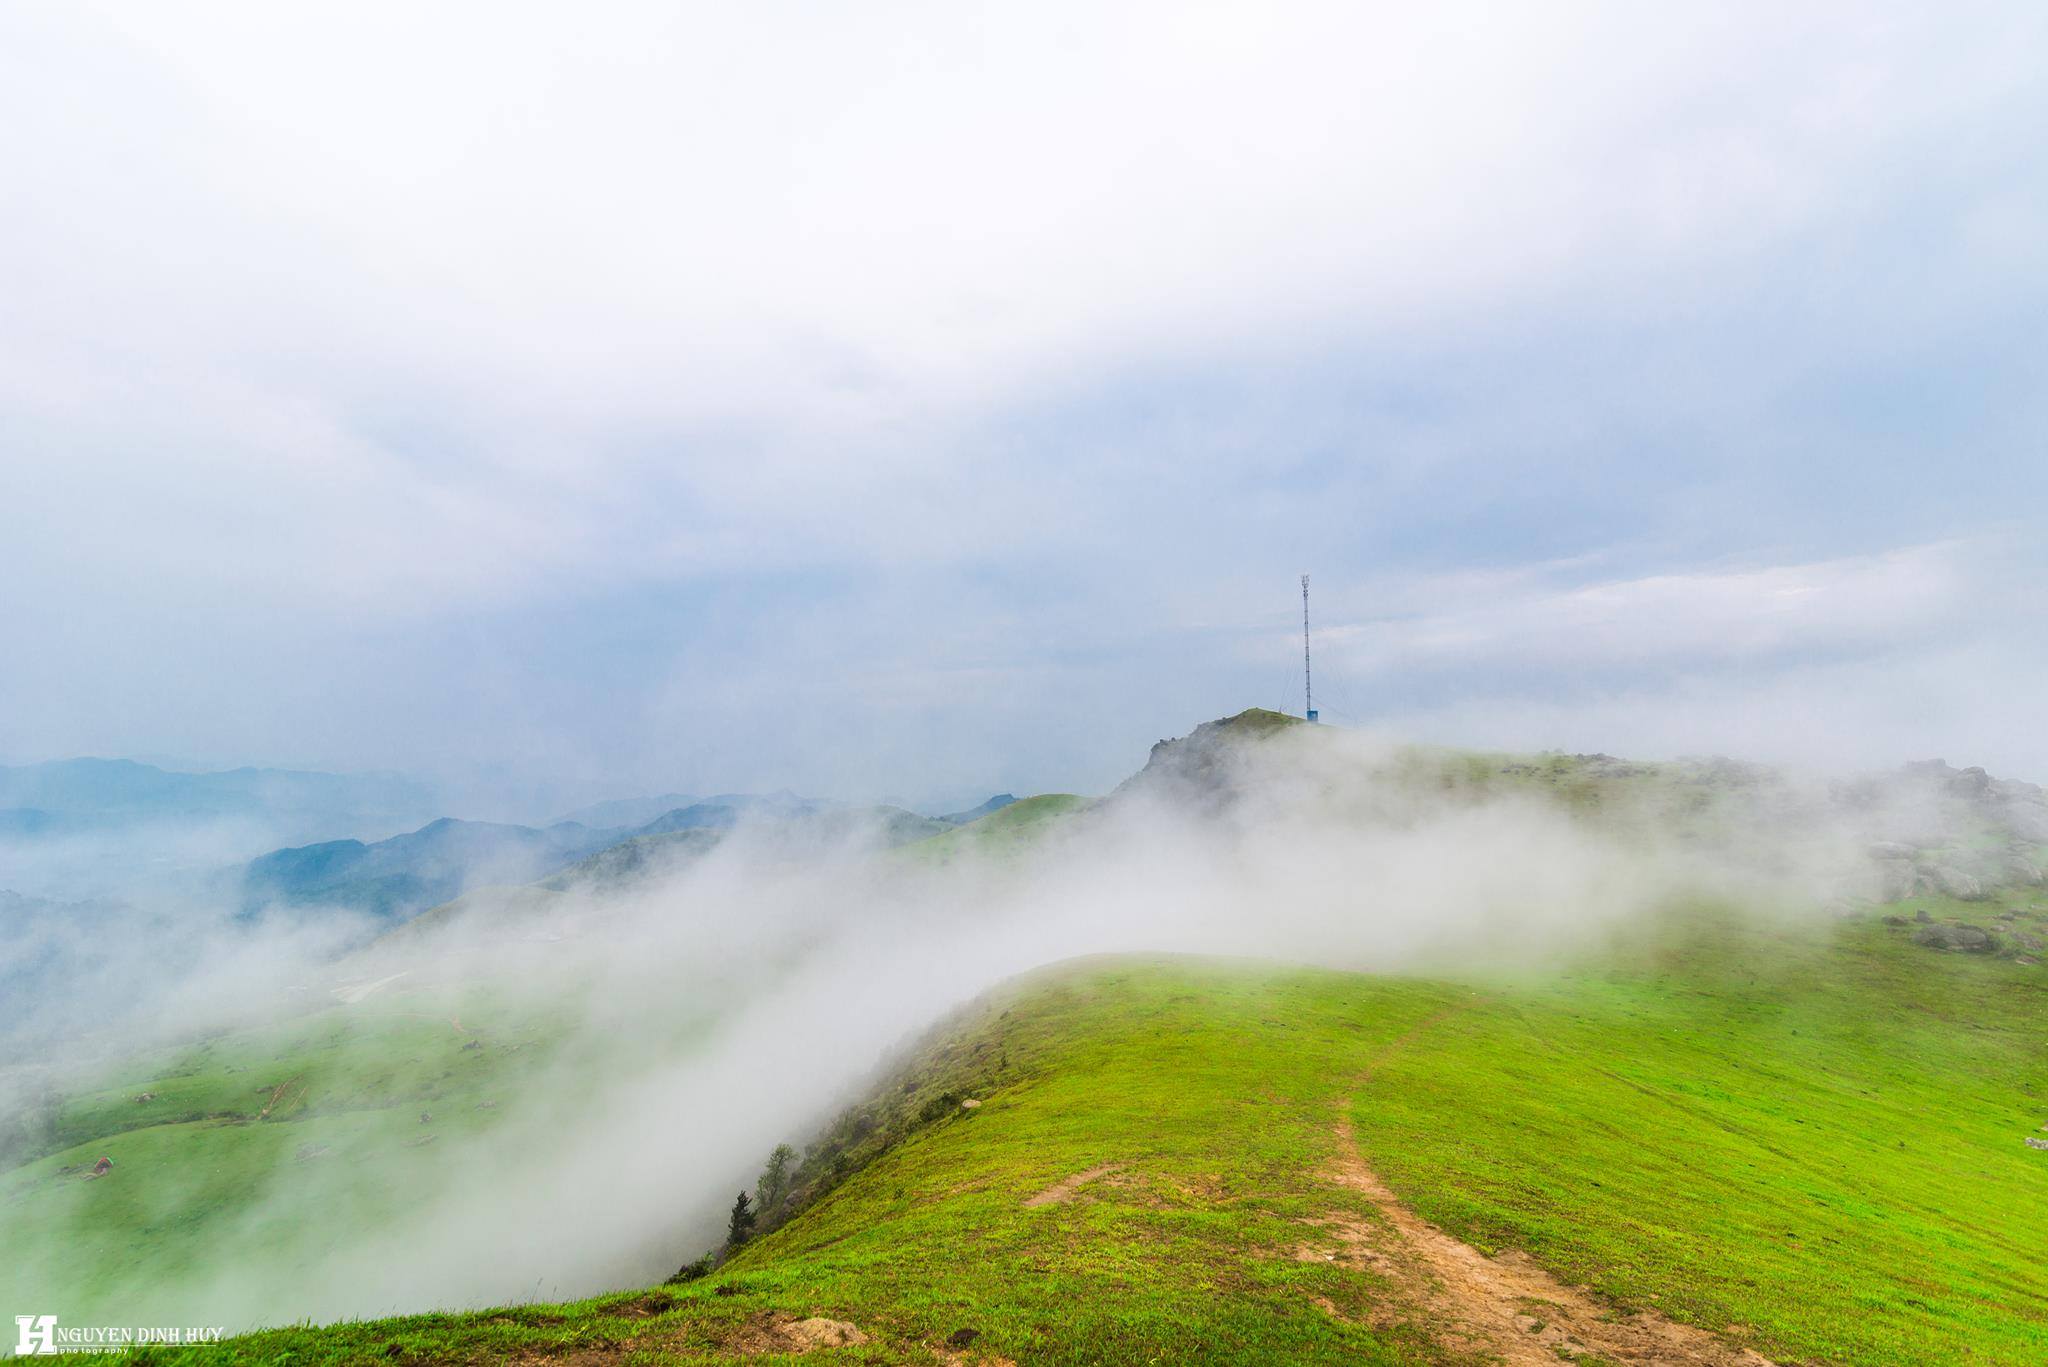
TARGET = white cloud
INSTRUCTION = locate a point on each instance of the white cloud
(340, 335)
(1526, 620)
(286, 248)
(1956, 702)
(1859, 661)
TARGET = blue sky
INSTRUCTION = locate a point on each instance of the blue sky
(944, 398)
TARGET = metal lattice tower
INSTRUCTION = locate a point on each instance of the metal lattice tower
(1308, 690)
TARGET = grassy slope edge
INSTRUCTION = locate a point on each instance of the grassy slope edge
(1808, 1142)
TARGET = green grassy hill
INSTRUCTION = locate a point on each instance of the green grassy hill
(1807, 1142)
(353, 1108)
(1726, 1131)
(1006, 832)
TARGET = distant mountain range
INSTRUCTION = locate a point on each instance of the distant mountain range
(994, 804)
(396, 879)
(99, 794)
(408, 873)
(625, 811)
(85, 828)
(727, 808)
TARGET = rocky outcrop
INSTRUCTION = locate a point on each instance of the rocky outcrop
(1951, 881)
(1204, 770)
(2025, 820)
(1949, 832)
(2015, 809)
(1896, 880)
(1957, 939)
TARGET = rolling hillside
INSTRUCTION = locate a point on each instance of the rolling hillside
(447, 860)
(1803, 1145)
(397, 878)
(1715, 1132)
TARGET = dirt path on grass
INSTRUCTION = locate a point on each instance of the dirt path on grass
(1506, 1306)
(1063, 1191)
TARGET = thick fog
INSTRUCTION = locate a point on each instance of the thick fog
(688, 1023)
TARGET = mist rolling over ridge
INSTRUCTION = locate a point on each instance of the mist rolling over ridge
(1023, 686)
(646, 1035)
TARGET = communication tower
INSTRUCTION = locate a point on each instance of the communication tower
(1308, 690)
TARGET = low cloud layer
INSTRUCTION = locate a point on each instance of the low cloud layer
(1852, 661)
(683, 1027)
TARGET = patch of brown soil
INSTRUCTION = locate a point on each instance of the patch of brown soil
(1507, 1306)
(284, 1092)
(1135, 1189)
(1208, 1191)
(775, 1332)
(771, 1331)
(587, 1356)
(950, 1351)
(1062, 1191)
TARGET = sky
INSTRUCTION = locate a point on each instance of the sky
(929, 400)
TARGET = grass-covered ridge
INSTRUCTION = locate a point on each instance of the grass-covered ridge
(1805, 1140)
(360, 1106)
(1005, 832)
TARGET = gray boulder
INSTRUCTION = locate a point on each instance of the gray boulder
(2027, 820)
(1950, 881)
(1957, 939)
(1971, 784)
(1894, 880)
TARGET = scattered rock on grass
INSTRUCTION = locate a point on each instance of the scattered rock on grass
(2024, 872)
(1953, 882)
(775, 1332)
(1957, 939)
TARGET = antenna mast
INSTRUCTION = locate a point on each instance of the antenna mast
(1308, 691)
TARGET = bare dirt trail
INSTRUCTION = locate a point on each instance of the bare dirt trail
(1508, 1306)
(1064, 1190)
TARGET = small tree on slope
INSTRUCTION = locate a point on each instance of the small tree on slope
(774, 1183)
(742, 1223)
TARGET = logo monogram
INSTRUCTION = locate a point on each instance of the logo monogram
(38, 1334)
